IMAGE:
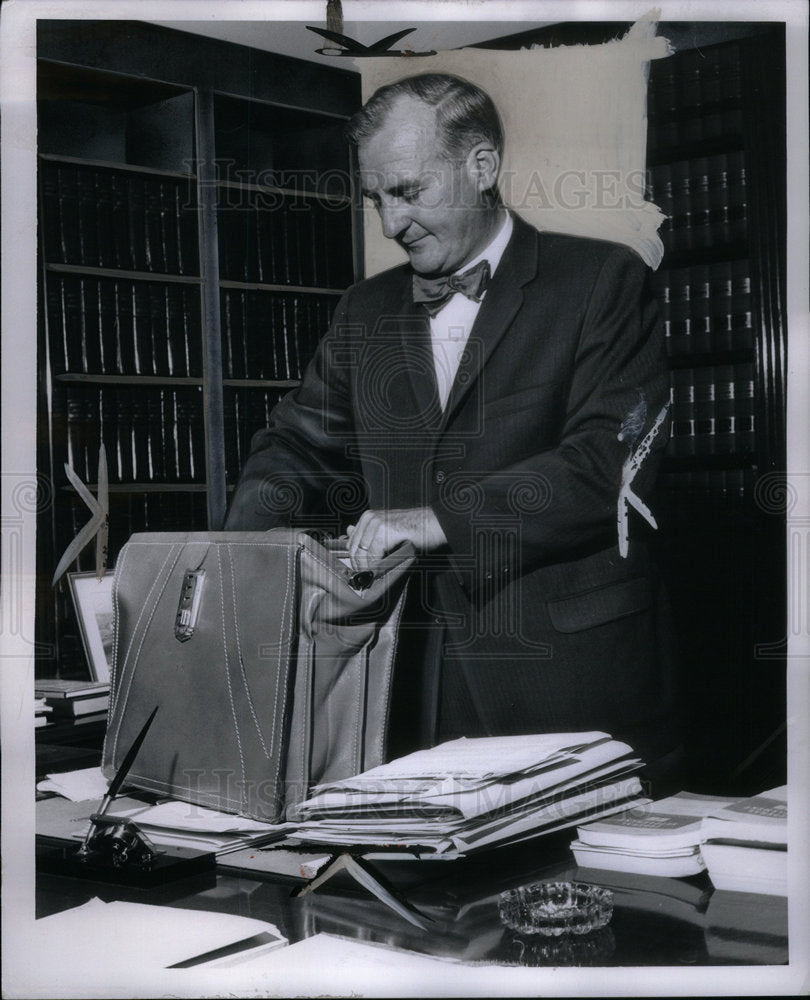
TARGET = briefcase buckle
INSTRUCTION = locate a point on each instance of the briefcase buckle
(188, 607)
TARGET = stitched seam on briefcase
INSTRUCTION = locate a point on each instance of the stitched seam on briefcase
(393, 623)
(144, 631)
(228, 679)
(242, 665)
(286, 606)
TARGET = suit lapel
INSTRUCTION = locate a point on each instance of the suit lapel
(501, 304)
(417, 360)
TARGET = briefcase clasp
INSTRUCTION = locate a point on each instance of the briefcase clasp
(188, 607)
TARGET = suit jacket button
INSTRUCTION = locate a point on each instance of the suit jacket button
(439, 477)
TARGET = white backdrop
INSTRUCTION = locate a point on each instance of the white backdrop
(576, 129)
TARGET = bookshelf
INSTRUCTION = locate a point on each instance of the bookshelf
(716, 166)
(709, 109)
(196, 231)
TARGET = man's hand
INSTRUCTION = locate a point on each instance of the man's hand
(379, 531)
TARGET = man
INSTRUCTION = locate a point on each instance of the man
(493, 427)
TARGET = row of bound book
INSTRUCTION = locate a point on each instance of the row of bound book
(246, 411)
(271, 335)
(113, 218)
(692, 101)
(104, 326)
(712, 410)
(269, 237)
(150, 435)
(706, 308)
(705, 201)
(695, 80)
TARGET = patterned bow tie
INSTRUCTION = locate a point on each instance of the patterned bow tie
(435, 292)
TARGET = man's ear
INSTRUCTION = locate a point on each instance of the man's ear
(483, 163)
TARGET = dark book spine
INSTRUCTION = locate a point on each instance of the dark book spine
(705, 425)
(168, 227)
(725, 417)
(741, 310)
(124, 328)
(744, 406)
(196, 425)
(158, 336)
(137, 223)
(155, 230)
(173, 332)
(88, 219)
(156, 436)
(141, 466)
(680, 305)
(142, 335)
(68, 196)
(173, 465)
(183, 417)
(682, 442)
(102, 360)
(721, 306)
(192, 330)
(265, 220)
(125, 436)
(104, 219)
(718, 198)
(122, 255)
(53, 235)
(700, 308)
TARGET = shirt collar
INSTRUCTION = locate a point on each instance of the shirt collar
(495, 250)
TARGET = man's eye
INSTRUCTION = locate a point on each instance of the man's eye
(411, 195)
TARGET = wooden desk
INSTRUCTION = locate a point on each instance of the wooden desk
(656, 921)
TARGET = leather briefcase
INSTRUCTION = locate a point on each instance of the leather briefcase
(269, 659)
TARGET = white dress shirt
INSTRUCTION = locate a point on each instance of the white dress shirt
(450, 327)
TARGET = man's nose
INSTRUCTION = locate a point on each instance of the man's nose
(395, 220)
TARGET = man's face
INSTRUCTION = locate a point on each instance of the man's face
(430, 205)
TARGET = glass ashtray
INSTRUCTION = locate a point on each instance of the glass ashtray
(556, 908)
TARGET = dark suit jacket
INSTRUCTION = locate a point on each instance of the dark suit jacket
(544, 626)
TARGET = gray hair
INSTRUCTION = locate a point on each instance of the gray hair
(465, 114)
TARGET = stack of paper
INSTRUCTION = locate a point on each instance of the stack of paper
(122, 935)
(744, 844)
(468, 794)
(167, 824)
(73, 699)
(659, 838)
(41, 712)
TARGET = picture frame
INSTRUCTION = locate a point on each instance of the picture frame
(92, 601)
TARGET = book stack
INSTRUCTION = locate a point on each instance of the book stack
(274, 237)
(705, 201)
(712, 410)
(706, 308)
(119, 326)
(271, 335)
(154, 435)
(74, 699)
(42, 712)
(469, 794)
(111, 218)
(744, 844)
(654, 838)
